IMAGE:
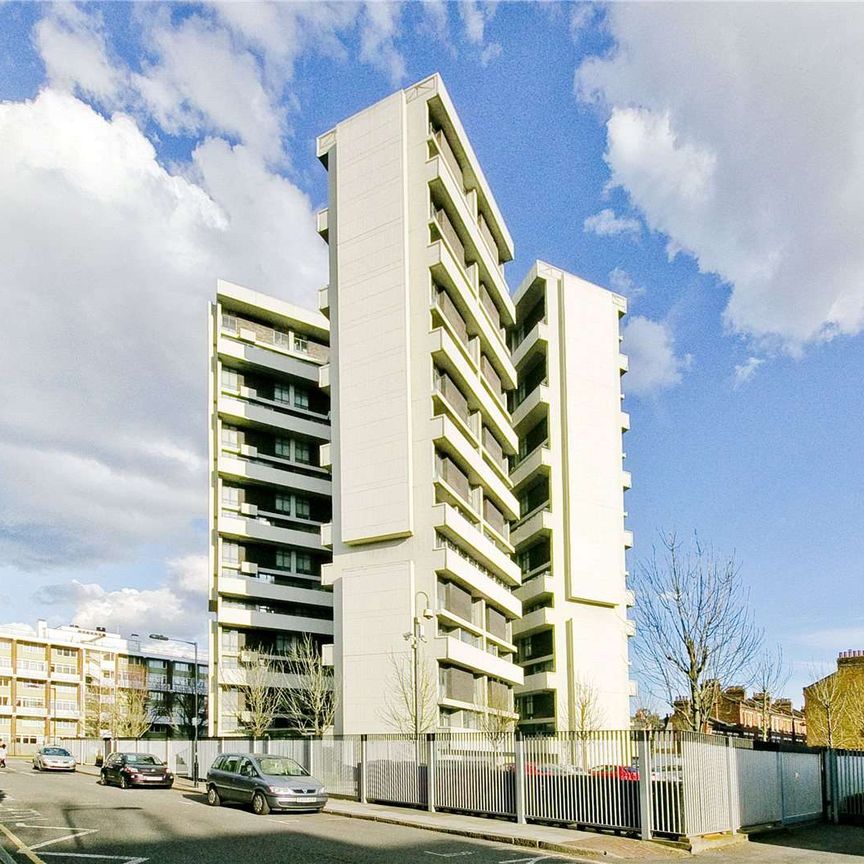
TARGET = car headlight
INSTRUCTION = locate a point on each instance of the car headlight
(322, 790)
(281, 790)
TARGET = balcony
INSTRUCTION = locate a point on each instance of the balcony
(538, 461)
(324, 300)
(274, 356)
(462, 654)
(492, 380)
(233, 617)
(625, 421)
(623, 363)
(327, 537)
(325, 456)
(536, 587)
(539, 619)
(535, 344)
(538, 523)
(449, 439)
(532, 408)
(538, 681)
(451, 360)
(269, 417)
(237, 527)
(628, 539)
(31, 708)
(257, 589)
(324, 377)
(6, 710)
(242, 676)
(464, 284)
(443, 184)
(261, 472)
(65, 709)
(626, 479)
(322, 224)
(462, 570)
(452, 524)
(65, 676)
(31, 668)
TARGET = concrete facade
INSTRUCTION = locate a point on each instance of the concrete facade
(422, 501)
(63, 682)
(269, 495)
(568, 475)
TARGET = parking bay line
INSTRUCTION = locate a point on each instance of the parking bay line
(21, 846)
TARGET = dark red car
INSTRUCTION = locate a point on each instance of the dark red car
(135, 769)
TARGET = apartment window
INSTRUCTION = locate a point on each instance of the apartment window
(301, 398)
(302, 509)
(282, 447)
(282, 503)
(283, 559)
(301, 344)
(302, 452)
(230, 438)
(230, 553)
(230, 379)
(281, 339)
(229, 322)
(304, 563)
(282, 394)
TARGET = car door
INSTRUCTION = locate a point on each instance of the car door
(226, 778)
(112, 768)
(247, 780)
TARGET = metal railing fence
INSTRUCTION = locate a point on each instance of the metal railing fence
(646, 783)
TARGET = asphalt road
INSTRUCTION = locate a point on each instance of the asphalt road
(66, 818)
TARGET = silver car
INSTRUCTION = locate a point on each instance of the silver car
(53, 759)
(266, 782)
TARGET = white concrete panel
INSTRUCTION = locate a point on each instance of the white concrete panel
(371, 322)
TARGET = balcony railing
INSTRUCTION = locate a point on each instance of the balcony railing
(453, 476)
(448, 389)
(491, 376)
(494, 449)
(449, 157)
(286, 341)
(494, 518)
(448, 232)
(451, 313)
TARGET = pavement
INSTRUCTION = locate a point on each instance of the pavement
(70, 819)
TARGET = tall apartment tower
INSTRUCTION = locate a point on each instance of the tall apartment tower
(569, 479)
(269, 494)
(420, 367)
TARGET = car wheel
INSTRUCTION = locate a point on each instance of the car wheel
(213, 798)
(259, 805)
(124, 781)
(35, 767)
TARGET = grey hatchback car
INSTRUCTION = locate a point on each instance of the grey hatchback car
(266, 782)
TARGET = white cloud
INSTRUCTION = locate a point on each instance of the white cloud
(490, 52)
(621, 282)
(173, 606)
(72, 44)
(735, 131)
(654, 365)
(607, 224)
(109, 261)
(475, 18)
(745, 371)
(378, 31)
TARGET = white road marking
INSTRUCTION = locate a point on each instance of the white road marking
(124, 858)
(80, 832)
(530, 860)
(287, 821)
(449, 854)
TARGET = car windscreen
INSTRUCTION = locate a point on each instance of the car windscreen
(142, 759)
(275, 766)
(55, 751)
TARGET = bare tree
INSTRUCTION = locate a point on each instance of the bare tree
(132, 706)
(261, 697)
(311, 706)
(646, 719)
(584, 716)
(398, 710)
(497, 722)
(694, 625)
(826, 703)
(770, 675)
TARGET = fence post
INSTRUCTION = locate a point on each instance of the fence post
(779, 757)
(645, 804)
(431, 759)
(362, 769)
(832, 786)
(732, 780)
(519, 777)
(310, 749)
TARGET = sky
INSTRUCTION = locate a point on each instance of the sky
(705, 160)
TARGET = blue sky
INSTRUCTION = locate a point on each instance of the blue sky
(705, 160)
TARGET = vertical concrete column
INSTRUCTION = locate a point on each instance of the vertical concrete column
(779, 757)
(519, 778)
(646, 817)
(431, 765)
(832, 787)
(362, 770)
(732, 784)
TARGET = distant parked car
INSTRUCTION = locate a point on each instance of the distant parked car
(53, 759)
(135, 769)
(266, 782)
(618, 772)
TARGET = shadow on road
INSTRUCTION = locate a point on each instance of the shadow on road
(837, 839)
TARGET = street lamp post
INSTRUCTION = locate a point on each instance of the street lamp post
(159, 637)
(415, 637)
